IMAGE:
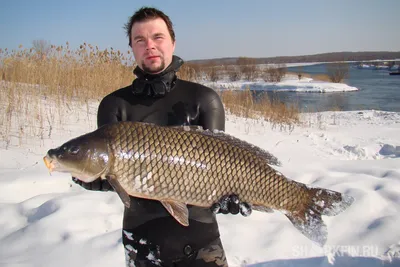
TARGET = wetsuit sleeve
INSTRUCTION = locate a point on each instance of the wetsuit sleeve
(108, 111)
(212, 114)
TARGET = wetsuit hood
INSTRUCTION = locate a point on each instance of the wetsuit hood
(156, 85)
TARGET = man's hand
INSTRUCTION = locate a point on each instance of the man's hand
(97, 185)
(231, 204)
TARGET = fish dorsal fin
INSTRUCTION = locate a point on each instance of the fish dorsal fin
(120, 191)
(178, 210)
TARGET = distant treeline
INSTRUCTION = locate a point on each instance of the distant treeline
(325, 57)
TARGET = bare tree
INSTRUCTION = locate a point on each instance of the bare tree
(212, 74)
(245, 61)
(274, 74)
(247, 67)
(234, 73)
(41, 47)
(337, 72)
(249, 72)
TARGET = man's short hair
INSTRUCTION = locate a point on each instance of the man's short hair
(147, 13)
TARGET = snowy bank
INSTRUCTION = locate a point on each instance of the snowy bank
(289, 84)
(50, 221)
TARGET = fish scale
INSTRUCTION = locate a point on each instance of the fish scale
(188, 165)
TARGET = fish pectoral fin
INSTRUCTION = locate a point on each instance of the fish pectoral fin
(178, 210)
(120, 191)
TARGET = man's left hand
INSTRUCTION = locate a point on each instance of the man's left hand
(231, 204)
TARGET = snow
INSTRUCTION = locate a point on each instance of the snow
(47, 220)
(318, 154)
(289, 84)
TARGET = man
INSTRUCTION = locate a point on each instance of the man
(151, 236)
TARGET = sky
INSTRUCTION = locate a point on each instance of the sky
(211, 29)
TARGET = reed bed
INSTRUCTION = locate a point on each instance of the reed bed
(243, 104)
(40, 91)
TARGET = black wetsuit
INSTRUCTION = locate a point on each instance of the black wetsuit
(150, 235)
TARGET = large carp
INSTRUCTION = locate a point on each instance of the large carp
(187, 165)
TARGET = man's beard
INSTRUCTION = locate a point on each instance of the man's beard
(154, 70)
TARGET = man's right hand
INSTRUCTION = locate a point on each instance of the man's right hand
(97, 185)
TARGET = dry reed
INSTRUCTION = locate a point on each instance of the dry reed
(242, 103)
(81, 74)
(30, 81)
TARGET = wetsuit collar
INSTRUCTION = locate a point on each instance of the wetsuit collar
(156, 85)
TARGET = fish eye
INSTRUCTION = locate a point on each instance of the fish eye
(74, 150)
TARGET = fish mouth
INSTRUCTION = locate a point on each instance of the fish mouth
(50, 163)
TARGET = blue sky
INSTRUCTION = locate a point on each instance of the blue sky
(212, 28)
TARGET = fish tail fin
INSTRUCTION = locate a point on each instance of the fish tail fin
(321, 202)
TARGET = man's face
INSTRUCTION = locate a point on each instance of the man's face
(152, 45)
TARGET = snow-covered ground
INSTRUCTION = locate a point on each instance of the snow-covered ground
(288, 84)
(50, 221)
